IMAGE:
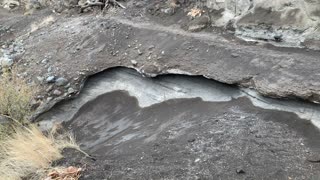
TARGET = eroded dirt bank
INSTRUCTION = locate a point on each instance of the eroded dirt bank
(178, 131)
(48, 46)
(85, 45)
(136, 128)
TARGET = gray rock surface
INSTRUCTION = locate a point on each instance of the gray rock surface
(111, 41)
(272, 72)
(57, 92)
(296, 20)
(50, 79)
(61, 81)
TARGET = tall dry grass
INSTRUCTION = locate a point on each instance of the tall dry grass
(25, 151)
(15, 96)
(29, 152)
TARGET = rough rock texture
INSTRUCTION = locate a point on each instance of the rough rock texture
(296, 21)
(102, 44)
(293, 23)
(75, 47)
(78, 46)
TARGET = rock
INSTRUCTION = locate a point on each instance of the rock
(44, 61)
(32, 5)
(11, 4)
(240, 171)
(278, 38)
(67, 86)
(61, 81)
(25, 74)
(231, 25)
(134, 62)
(39, 97)
(151, 47)
(234, 55)
(151, 70)
(6, 61)
(191, 140)
(314, 158)
(50, 79)
(40, 79)
(139, 4)
(50, 88)
(49, 69)
(169, 11)
(140, 52)
(198, 24)
(71, 91)
(57, 92)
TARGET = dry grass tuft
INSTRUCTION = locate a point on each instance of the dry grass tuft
(15, 96)
(28, 151)
(25, 151)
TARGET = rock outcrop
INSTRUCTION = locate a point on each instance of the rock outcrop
(293, 22)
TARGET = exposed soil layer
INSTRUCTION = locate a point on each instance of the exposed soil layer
(190, 138)
(178, 138)
(147, 133)
(76, 46)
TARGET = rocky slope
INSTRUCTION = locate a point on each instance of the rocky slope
(295, 22)
(59, 48)
(59, 51)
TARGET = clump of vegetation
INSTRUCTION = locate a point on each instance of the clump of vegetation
(28, 151)
(15, 96)
(25, 151)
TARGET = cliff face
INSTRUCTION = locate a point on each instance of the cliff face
(294, 22)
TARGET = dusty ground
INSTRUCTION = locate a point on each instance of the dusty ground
(143, 128)
(74, 46)
(190, 139)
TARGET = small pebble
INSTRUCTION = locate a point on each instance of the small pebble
(57, 92)
(61, 81)
(134, 62)
(50, 79)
